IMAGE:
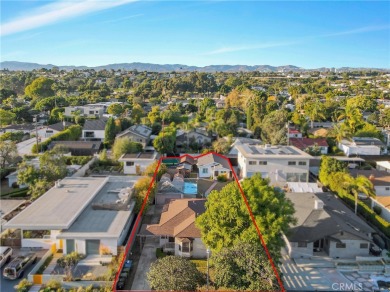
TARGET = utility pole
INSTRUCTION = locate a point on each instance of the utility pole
(36, 131)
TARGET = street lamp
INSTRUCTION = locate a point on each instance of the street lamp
(208, 254)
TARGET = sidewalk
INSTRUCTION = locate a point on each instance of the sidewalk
(52, 264)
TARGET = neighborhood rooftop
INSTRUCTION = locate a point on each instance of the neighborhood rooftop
(140, 155)
(266, 150)
(59, 207)
(91, 125)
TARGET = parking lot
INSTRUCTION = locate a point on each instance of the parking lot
(8, 285)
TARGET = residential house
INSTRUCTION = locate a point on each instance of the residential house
(93, 130)
(242, 141)
(87, 111)
(137, 133)
(306, 144)
(213, 165)
(79, 148)
(177, 230)
(186, 165)
(326, 227)
(167, 190)
(200, 136)
(383, 165)
(294, 133)
(89, 215)
(220, 103)
(25, 128)
(278, 163)
(362, 146)
(380, 179)
(136, 163)
(386, 134)
(50, 130)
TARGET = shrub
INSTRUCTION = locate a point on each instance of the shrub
(15, 185)
(23, 286)
(160, 253)
(222, 178)
(53, 284)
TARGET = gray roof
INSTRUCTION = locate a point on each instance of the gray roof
(332, 219)
(377, 177)
(60, 126)
(19, 127)
(59, 207)
(138, 130)
(77, 144)
(363, 141)
(95, 125)
(213, 158)
(95, 223)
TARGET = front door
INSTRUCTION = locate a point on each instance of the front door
(92, 247)
(69, 246)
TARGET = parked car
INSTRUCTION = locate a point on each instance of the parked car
(5, 255)
(16, 268)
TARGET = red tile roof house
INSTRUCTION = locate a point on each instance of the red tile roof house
(304, 143)
(177, 231)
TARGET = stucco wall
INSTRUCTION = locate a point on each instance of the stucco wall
(351, 250)
(301, 252)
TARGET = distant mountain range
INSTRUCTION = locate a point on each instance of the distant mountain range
(25, 66)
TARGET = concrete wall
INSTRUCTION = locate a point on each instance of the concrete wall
(300, 252)
(37, 242)
(141, 164)
(111, 244)
(161, 198)
(381, 190)
(351, 250)
(81, 172)
(359, 150)
(199, 249)
(125, 230)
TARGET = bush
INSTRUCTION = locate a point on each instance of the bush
(53, 284)
(15, 185)
(222, 178)
(79, 160)
(23, 286)
(377, 210)
(70, 134)
(160, 253)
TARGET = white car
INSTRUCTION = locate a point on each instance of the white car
(5, 255)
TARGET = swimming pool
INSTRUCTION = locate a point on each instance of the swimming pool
(190, 188)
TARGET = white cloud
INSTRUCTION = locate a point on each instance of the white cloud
(57, 11)
(247, 47)
(358, 30)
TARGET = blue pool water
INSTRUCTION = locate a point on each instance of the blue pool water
(190, 188)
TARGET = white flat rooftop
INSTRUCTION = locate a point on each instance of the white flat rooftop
(279, 151)
(59, 207)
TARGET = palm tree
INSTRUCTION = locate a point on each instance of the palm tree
(314, 110)
(340, 131)
(360, 184)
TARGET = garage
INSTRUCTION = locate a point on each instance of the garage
(92, 247)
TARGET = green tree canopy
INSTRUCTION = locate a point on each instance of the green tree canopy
(52, 166)
(125, 145)
(273, 128)
(6, 117)
(173, 273)
(110, 131)
(40, 87)
(165, 141)
(244, 267)
(226, 221)
(328, 166)
(8, 153)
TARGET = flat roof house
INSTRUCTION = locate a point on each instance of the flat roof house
(362, 146)
(177, 231)
(79, 148)
(326, 227)
(136, 163)
(278, 163)
(90, 215)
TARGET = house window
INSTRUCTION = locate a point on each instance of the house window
(251, 162)
(171, 239)
(129, 163)
(91, 112)
(262, 162)
(364, 245)
(302, 163)
(340, 245)
(302, 244)
(89, 134)
(205, 170)
(292, 163)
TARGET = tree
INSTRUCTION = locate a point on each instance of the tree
(226, 221)
(125, 145)
(166, 140)
(27, 174)
(137, 113)
(38, 188)
(328, 166)
(23, 286)
(110, 131)
(116, 109)
(8, 153)
(150, 169)
(52, 166)
(221, 146)
(141, 188)
(40, 87)
(360, 184)
(6, 117)
(173, 273)
(315, 110)
(244, 267)
(273, 128)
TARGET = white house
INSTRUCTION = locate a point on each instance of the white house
(177, 231)
(50, 130)
(242, 141)
(380, 180)
(326, 227)
(90, 215)
(93, 130)
(278, 163)
(294, 133)
(383, 165)
(136, 163)
(362, 146)
(137, 133)
(213, 165)
(88, 111)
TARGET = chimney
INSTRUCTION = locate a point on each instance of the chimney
(318, 204)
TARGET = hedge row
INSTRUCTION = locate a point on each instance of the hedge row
(367, 213)
(79, 160)
(70, 134)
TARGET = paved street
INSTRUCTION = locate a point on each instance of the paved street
(24, 148)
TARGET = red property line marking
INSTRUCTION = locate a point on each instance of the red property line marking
(243, 196)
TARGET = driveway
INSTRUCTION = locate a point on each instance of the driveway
(148, 256)
(8, 285)
(297, 278)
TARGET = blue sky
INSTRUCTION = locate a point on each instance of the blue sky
(95, 32)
